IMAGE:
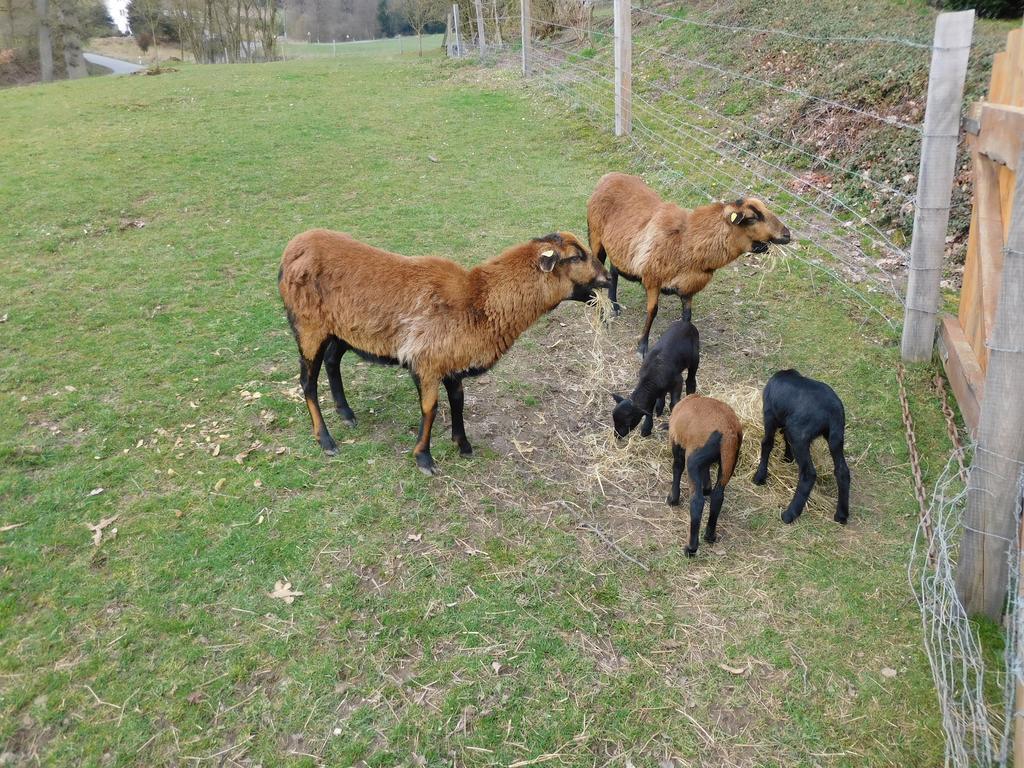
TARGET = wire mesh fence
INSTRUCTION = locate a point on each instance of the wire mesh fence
(976, 683)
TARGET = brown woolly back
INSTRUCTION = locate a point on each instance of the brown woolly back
(429, 312)
(666, 246)
(696, 417)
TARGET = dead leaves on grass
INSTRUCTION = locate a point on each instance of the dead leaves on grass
(283, 591)
(97, 530)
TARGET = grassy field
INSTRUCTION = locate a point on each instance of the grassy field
(388, 46)
(148, 379)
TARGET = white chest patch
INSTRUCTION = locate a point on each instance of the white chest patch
(644, 246)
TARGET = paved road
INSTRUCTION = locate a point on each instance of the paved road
(118, 66)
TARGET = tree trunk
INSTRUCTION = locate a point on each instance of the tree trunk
(419, 35)
(45, 41)
(72, 40)
(497, 25)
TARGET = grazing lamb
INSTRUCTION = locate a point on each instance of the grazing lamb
(669, 249)
(710, 432)
(430, 315)
(661, 374)
(804, 409)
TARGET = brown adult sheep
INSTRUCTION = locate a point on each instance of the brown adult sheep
(430, 315)
(669, 249)
(710, 432)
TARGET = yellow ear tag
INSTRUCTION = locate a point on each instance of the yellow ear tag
(733, 217)
(548, 252)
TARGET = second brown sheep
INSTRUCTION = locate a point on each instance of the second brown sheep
(669, 249)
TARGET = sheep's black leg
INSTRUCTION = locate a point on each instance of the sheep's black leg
(787, 455)
(457, 399)
(802, 454)
(696, 504)
(309, 372)
(691, 380)
(717, 497)
(771, 426)
(676, 393)
(613, 290)
(678, 461)
(652, 312)
(687, 311)
(647, 426)
(659, 405)
(842, 471)
(427, 388)
(332, 363)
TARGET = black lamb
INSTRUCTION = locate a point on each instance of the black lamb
(804, 409)
(661, 374)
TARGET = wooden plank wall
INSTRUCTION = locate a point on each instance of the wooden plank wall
(983, 267)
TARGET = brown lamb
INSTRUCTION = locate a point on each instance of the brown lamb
(710, 432)
(670, 249)
(441, 321)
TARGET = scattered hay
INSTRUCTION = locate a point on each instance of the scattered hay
(640, 467)
(600, 313)
(782, 476)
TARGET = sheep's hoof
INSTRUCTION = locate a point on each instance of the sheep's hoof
(673, 501)
(841, 517)
(690, 552)
(426, 465)
(789, 516)
(330, 447)
(465, 449)
(710, 538)
(760, 478)
(347, 417)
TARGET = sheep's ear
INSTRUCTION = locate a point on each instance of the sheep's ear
(736, 217)
(548, 259)
(617, 398)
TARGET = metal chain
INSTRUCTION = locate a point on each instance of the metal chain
(915, 462)
(951, 428)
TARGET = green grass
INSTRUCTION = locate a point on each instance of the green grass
(463, 619)
(388, 46)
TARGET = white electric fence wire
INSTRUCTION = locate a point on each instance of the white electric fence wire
(701, 169)
(786, 33)
(886, 120)
(743, 176)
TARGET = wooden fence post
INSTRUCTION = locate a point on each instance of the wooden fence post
(458, 39)
(935, 181)
(480, 25)
(525, 30)
(989, 523)
(623, 68)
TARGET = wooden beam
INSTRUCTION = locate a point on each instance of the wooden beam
(950, 52)
(965, 375)
(1002, 133)
(623, 39)
(990, 520)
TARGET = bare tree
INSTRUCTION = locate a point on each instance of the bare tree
(71, 39)
(45, 40)
(419, 13)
